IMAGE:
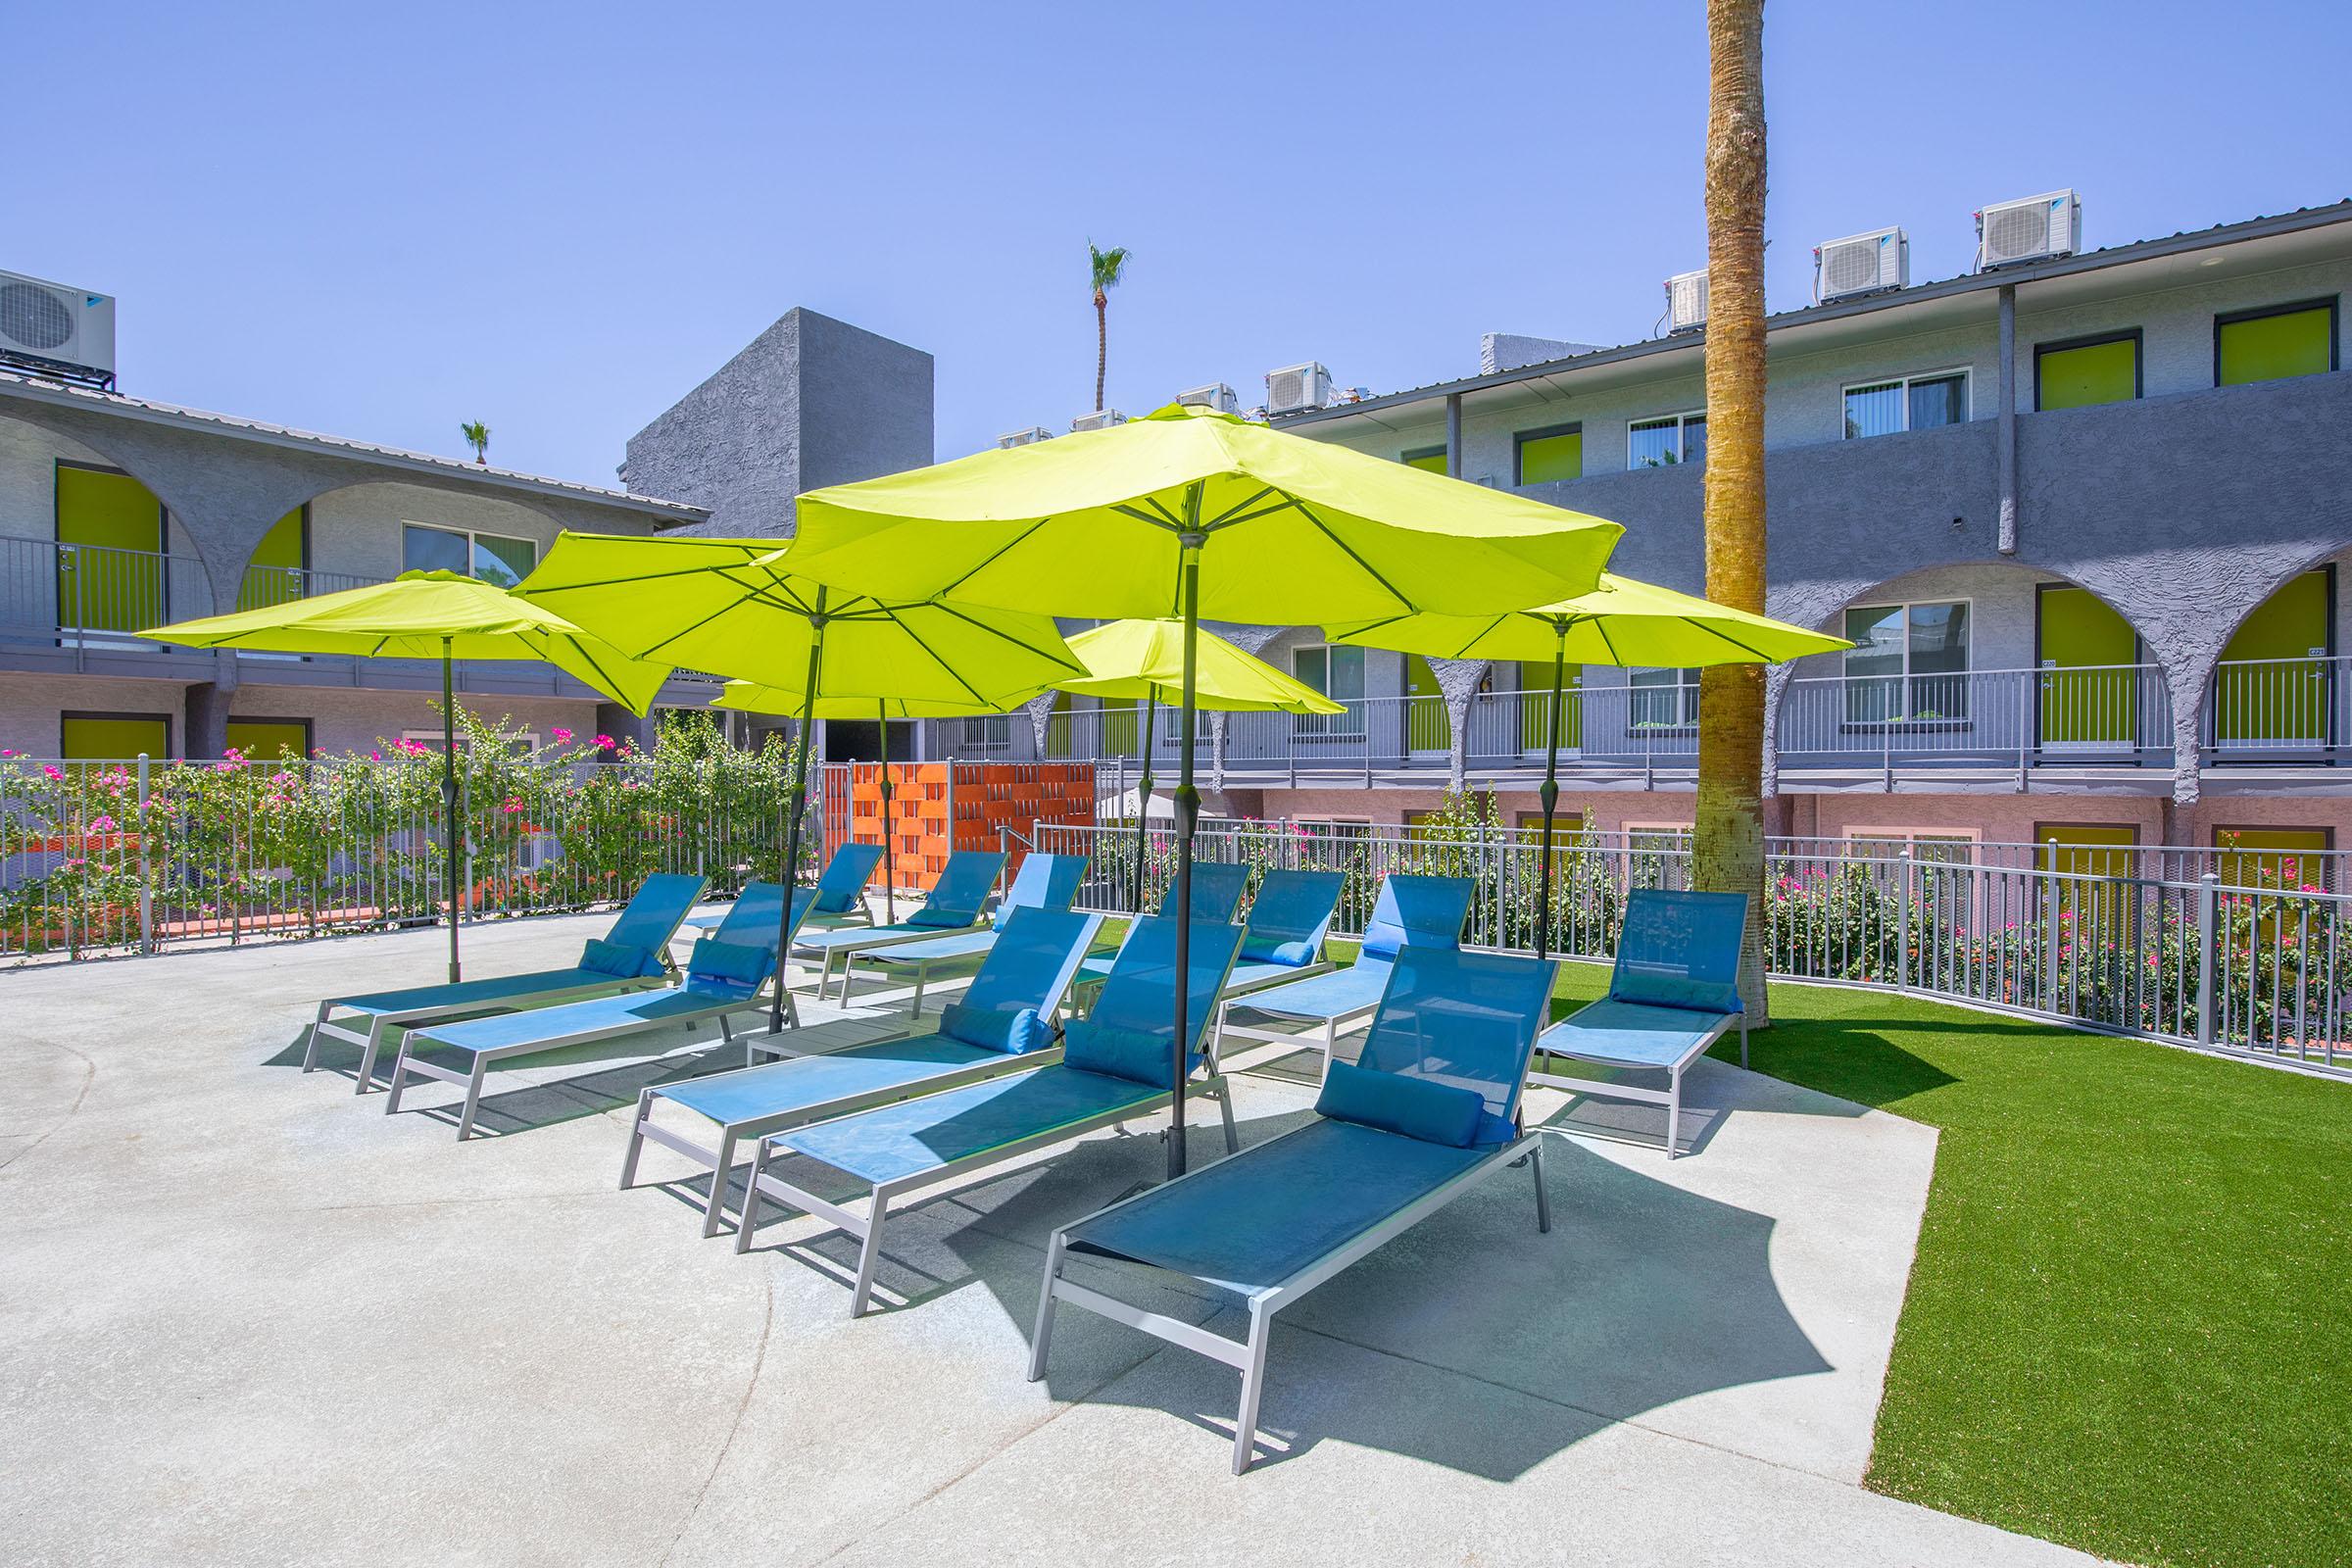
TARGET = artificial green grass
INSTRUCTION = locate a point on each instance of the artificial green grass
(2126, 1328)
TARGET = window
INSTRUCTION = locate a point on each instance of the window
(2086, 848)
(1337, 672)
(268, 739)
(1942, 845)
(1908, 662)
(1666, 440)
(1664, 698)
(522, 742)
(490, 557)
(2088, 371)
(1430, 460)
(1907, 403)
(113, 737)
(990, 732)
(1541, 456)
(1567, 827)
(2269, 345)
(2274, 857)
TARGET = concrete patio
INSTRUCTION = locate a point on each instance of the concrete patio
(249, 1318)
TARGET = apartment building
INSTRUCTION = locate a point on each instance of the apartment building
(118, 513)
(2081, 512)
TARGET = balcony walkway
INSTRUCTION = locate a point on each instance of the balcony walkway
(251, 1318)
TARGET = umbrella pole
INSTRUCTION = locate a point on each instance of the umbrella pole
(1187, 814)
(1550, 793)
(890, 871)
(791, 874)
(449, 803)
(1142, 798)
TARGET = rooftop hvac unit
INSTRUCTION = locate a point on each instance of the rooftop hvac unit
(1025, 438)
(1861, 263)
(63, 331)
(1297, 389)
(1686, 300)
(2029, 231)
(1217, 395)
(1099, 420)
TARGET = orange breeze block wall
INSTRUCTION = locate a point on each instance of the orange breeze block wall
(932, 815)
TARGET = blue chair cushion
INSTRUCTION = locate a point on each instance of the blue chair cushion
(953, 920)
(1015, 1032)
(734, 963)
(1115, 1052)
(1660, 986)
(1273, 949)
(1393, 1103)
(834, 902)
(619, 959)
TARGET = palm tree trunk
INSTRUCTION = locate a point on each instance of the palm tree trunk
(1728, 852)
(1101, 344)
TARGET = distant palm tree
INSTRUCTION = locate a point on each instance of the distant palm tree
(1728, 848)
(1107, 265)
(477, 436)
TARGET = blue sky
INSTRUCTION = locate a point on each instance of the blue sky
(379, 222)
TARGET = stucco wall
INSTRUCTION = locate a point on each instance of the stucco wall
(359, 529)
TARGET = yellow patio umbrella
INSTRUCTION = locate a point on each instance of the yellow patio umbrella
(738, 607)
(431, 614)
(1120, 522)
(1624, 622)
(751, 697)
(1144, 661)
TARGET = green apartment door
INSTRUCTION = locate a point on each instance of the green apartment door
(275, 574)
(1427, 726)
(1534, 708)
(2272, 686)
(110, 552)
(2090, 691)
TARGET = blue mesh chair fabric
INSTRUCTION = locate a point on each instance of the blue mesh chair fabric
(1031, 962)
(1681, 949)
(1217, 889)
(1045, 882)
(1423, 911)
(956, 898)
(845, 876)
(1141, 992)
(1464, 1018)
(1292, 907)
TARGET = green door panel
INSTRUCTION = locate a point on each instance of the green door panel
(1543, 459)
(2270, 347)
(266, 740)
(2082, 702)
(2284, 700)
(111, 578)
(2084, 848)
(2093, 372)
(2273, 857)
(275, 574)
(1429, 460)
(1428, 726)
(1534, 708)
(106, 740)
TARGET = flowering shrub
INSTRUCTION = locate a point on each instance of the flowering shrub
(240, 847)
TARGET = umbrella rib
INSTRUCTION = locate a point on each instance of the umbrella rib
(1236, 517)
(1233, 512)
(1167, 520)
(610, 686)
(950, 670)
(1369, 569)
(1001, 635)
(996, 556)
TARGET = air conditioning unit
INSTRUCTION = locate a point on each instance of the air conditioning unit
(1297, 389)
(1025, 438)
(1099, 420)
(1686, 300)
(1217, 395)
(2029, 231)
(1861, 263)
(63, 331)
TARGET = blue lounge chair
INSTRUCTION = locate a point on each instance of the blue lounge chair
(1674, 991)
(840, 892)
(1004, 1023)
(1287, 922)
(726, 975)
(632, 956)
(1416, 911)
(957, 901)
(1432, 1107)
(1115, 1067)
(1043, 882)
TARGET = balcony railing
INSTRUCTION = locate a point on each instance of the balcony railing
(266, 586)
(81, 596)
(2278, 710)
(1980, 717)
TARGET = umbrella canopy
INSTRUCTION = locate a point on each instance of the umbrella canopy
(1093, 524)
(1624, 622)
(1215, 516)
(1143, 660)
(431, 614)
(738, 607)
(751, 697)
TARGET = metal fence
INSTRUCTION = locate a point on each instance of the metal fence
(2259, 969)
(135, 856)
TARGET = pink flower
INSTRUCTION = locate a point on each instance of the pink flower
(102, 823)
(53, 772)
(6, 751)
(375, 756)
(514, 804)
(604, 743)
(563, 735)
(229, 764)
(231, 753)
(281, 779)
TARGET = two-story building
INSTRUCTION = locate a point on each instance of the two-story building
(119, 513)
(2082, 517)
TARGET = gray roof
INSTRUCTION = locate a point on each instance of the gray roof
(42, 389)
(2301, 219)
